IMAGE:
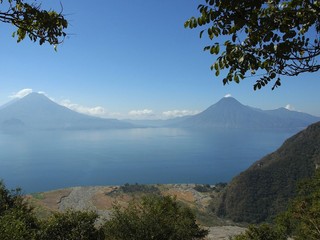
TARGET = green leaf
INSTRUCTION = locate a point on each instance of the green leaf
(273, 38)
(217, 49)
(206, 48)
(234, 37)
(201, 33)
(273, 75)
(236, 78)
(213, 50)
(216, 66)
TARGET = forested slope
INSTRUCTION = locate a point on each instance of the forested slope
(263, 190)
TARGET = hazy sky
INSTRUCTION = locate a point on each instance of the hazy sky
(133, 58)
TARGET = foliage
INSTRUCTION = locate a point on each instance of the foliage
(203, 188)
(264, 190)
(263, 37)
(262, 232)
(17, 220)
(19, 225)
(8, 199)
(71, 225)
(218, 187)
(32, 21)
(141, 188)
(155, 217)
(302, 220)
(11, 200)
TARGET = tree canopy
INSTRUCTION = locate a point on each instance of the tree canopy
(30, 20)
(264, 38)
(154, 217)
(300, 221)
(17, 220)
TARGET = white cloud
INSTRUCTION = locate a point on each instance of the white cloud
(141, 113)
(228, 95)
(289, 107)
(95, 111)
(44, 93)
(179, 113)
(22, 93)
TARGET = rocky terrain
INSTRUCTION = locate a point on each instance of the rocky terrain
(201, 198)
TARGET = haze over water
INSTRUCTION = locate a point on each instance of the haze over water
(47, 160)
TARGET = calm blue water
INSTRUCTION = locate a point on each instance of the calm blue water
(43, 161)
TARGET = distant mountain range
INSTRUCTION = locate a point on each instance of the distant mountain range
(264, 189)
(36, 111)
(229, 113)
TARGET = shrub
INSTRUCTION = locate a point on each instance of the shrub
(155, 217)
(262, 232)
(71, 225)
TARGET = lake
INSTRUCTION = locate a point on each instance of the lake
(42, 161)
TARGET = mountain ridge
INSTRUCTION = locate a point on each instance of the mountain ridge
(230, 113)
(36, 111)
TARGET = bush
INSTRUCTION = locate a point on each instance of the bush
(262, 232)
(203, 188)
(11, 199)
(17, 220)
(18, 225)
(155, 217)
(139, 188)
(71, 225)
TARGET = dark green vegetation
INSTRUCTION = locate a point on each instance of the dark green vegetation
(32, 21)
(262, 232)
(203, 209)
(17, 220)
(203, 188)
(70, 225)
(152, 217)
(261, 38)
(207, 188)
(261, 192)
(139, 188)
(300, 222)
(302, 219)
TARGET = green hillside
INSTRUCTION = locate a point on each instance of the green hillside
(263, 190)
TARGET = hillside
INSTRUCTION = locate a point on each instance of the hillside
(101, 198)
(263, 190)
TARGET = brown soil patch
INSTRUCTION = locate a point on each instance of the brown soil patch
(49, 200)
(183, 196)
(52, 199)
(102, 201)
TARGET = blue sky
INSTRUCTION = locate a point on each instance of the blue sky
(134, 59)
